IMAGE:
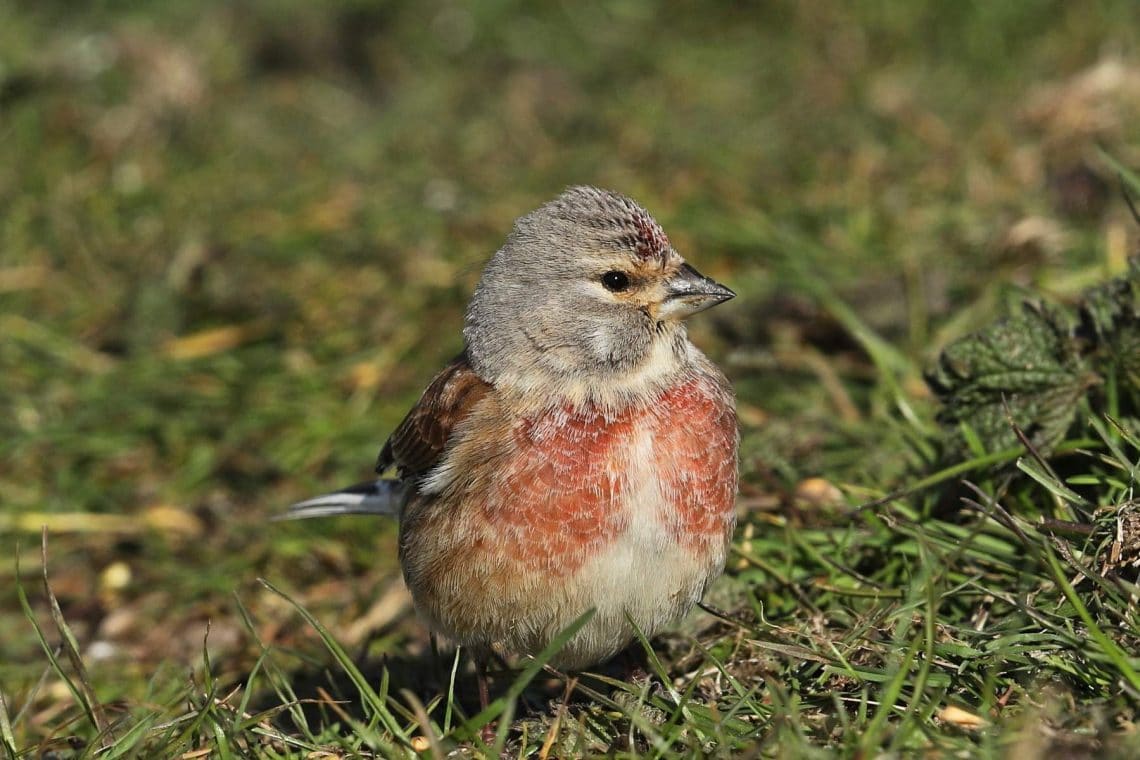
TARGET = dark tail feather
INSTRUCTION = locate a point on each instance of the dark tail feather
(374, 497)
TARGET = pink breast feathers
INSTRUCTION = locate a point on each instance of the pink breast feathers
(695, 445)
(559, 497)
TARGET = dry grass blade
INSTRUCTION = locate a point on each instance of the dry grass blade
(212, 341)
(427, 740)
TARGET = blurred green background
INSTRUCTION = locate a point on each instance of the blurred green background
(236, 240)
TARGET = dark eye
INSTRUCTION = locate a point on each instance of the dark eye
(615, 281)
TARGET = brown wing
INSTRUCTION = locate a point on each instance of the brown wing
(419, 441)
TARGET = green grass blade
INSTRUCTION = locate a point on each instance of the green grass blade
(527, 674)
(1119, 658)
(374, 701)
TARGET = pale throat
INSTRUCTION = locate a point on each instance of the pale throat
(669, 356)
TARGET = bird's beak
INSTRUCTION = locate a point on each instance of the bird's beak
(688, 291)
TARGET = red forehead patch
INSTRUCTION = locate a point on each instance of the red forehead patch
(650, 241)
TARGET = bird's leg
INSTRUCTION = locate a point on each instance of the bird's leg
(482, 682)
(437, 662)
(480, 658)
(571, 684)
(483, 657)
(634, 665)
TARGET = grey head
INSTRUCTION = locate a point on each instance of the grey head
(586, 297)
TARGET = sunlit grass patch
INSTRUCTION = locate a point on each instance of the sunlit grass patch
(236, 241)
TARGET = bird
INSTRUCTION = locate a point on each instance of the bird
(578, 457)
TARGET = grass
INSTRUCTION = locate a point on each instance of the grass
(236, 240)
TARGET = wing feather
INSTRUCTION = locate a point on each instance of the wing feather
(420, 440)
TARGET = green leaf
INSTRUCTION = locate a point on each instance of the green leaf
(1026, 370)
(1110, 320)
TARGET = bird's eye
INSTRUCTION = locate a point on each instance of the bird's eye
(615, 281)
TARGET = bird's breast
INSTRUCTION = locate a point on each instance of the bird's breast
(579, 483)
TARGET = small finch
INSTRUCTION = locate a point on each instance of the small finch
(579, 454)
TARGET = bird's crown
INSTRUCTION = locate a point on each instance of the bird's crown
(620, 220)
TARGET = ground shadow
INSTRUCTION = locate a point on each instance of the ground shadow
(427, 678)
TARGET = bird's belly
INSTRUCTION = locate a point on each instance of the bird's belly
(644, 578)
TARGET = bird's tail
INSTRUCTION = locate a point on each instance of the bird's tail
(373, 497)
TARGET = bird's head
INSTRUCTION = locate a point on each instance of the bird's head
(587, 292)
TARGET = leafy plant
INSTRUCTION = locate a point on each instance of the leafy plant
(1034, 371)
